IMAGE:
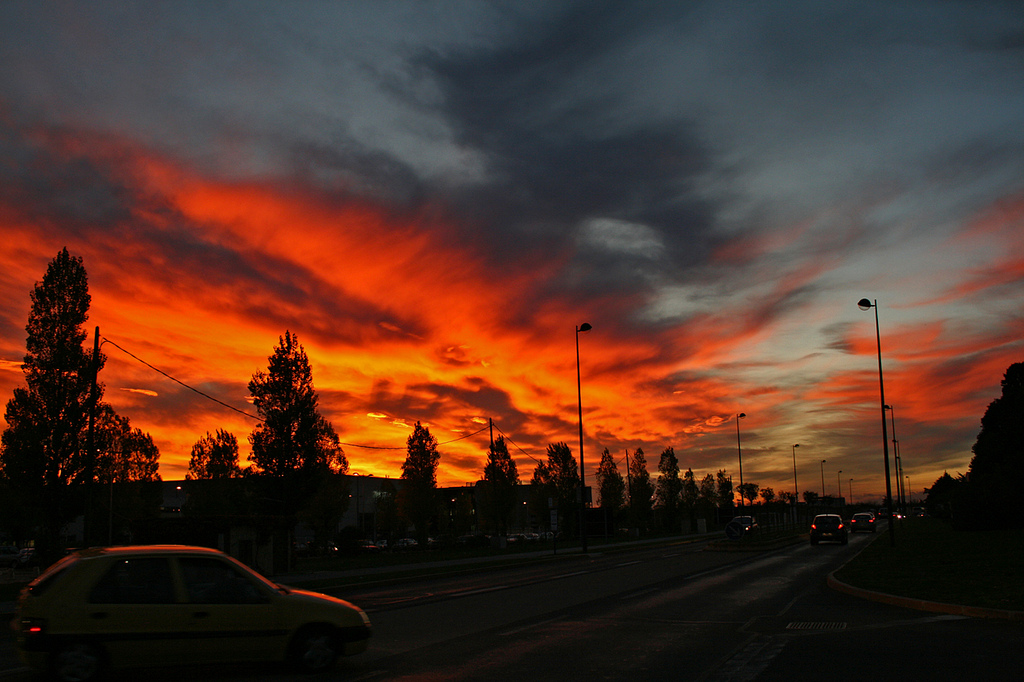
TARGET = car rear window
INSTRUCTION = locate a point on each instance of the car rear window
(50, 575)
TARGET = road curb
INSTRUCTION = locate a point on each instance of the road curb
(923, 604)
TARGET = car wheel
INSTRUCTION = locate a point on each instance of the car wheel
(77, 662)
(813, 541)
(314, 649)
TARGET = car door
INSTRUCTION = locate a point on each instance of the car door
(232, 615)
(135, 611)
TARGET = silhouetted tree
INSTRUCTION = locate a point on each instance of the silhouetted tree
(997, 467)
(214, 457)
(944, 495)
(709, 496)
(688, 496)
(295, 450)
(417, 500)
(564, 476)
(723, 483)
(768, 495)
(641, 496)
(668, 489)
(499, 486)
(810, 497)
(292, 435)
(611, 486)
(44, 449)
(748, 492)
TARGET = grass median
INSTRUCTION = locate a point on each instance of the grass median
(934, 562)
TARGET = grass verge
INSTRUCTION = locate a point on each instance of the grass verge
(934, 562)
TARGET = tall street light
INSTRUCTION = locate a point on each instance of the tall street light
(865, 304)
(739, 451)
(823, 480)
(851, 491)
(796, 488)
(585, 327)
(839, 486)
(897, 462)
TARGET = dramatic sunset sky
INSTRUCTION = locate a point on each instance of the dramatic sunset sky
(433, 196)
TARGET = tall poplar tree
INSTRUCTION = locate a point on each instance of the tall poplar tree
(44, 449)
(668, 489)
(418, 499)
(499, 485)
(641, 491)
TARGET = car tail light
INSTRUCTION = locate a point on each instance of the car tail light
(32, 626)
(840, 526)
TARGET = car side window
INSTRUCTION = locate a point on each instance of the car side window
(141, 580)
(212, 581)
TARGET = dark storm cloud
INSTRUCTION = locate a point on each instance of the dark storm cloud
(66, 190)
(553, 166)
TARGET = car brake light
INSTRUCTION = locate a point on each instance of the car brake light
(33, 626)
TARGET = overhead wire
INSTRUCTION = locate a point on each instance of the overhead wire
(257, 417)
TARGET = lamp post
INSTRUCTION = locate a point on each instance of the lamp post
(823, 480)
(739, 452)
(585, 327)
(901, 502)
(865, 304)
(851, 491)
(796, 488)
(839, 488)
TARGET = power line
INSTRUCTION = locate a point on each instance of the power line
(178, 381)
(257, 417)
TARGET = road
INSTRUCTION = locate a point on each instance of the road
(666, 613)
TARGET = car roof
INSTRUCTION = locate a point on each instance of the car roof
(136, 550)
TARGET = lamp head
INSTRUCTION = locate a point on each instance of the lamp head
(585, 327)
(796, 445)
(865, 304)
(741, 415)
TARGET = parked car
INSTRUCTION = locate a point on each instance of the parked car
(403, 544)
(9, 556)
(828, 527)
(123, 607)
(863, 521)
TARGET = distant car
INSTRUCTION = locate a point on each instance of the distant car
(368, 546)
(749, 523)
(828, 527)
(863, 521)
(10, 556)
(405, 544)
(27, 556)
(124, 607)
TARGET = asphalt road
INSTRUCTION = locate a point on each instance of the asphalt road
(665, 613)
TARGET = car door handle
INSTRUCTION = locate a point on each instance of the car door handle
(201, 614)
(98, 615)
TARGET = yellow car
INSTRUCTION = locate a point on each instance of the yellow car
(168, 605)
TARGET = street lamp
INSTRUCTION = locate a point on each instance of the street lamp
(585, 327)
(796, 488)
(865, 304)
(839, 487)
(851, 491)
(823, 480)
(739, 451)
